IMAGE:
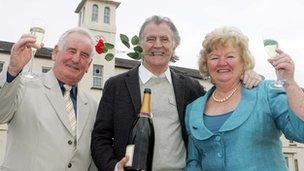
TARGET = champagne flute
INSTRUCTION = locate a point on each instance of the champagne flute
(38, 32)
(270, 45)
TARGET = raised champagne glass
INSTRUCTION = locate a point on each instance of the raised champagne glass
(270, 45)
(38, 32)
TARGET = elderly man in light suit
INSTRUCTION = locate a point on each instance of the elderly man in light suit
(41, 136)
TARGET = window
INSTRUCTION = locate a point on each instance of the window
(286, 160)
(1, 65)
(80, 18)
(83, 15)
(45, 69)
(106, 16)
(296, 165)
(291, 161)
(94, 13)
(97, 76)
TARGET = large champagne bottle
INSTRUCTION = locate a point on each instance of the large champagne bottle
(141, 138)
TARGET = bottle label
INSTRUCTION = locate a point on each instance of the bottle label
(129, 153)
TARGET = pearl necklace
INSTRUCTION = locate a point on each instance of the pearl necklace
(225, 98)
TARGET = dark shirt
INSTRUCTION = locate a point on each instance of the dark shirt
(73, 95)
(10, 78)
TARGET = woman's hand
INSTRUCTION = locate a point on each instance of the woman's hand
(285, 71)
(284, 67)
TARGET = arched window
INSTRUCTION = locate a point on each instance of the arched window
(94, 13)
(106, 16)
(83, 15)
(80, 18)
(1, 65)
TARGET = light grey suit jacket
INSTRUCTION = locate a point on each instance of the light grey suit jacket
(39, 133)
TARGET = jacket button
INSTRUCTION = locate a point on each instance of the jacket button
(70, 142)
(219, 155)
(217, 138)
(69, 165)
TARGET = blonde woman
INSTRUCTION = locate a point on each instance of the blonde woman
(235, 129)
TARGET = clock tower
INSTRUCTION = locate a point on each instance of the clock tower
(98, 16)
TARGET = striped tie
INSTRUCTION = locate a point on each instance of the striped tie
(69, 108)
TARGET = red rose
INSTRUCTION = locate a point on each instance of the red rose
(99, 46)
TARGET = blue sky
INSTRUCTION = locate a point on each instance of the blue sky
(193, 18)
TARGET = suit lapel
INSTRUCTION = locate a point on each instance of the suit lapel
(179, 91)
(132, 82)
(243, 111)
(54, 95)
(82, 112)
(196, 119)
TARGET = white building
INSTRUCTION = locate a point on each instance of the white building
(99, 17)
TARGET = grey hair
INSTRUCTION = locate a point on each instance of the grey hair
(156, 19)
(63, 38)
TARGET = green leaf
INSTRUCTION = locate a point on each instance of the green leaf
(139, 54)
(125, 40)
(134, 55)
(105, 50)
(108, 46)
(109, 56)
(135, 40)
(138, 49)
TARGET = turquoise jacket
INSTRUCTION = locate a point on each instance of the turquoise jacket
(250, 138)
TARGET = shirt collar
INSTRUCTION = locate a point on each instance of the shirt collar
(145, 74)
(74, 88)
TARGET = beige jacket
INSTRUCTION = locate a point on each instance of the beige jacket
(39, 134)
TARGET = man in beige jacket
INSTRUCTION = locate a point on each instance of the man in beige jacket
(40, 134)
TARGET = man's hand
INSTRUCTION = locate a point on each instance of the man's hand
(21, 53)
(251, 79)
(122, 163)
